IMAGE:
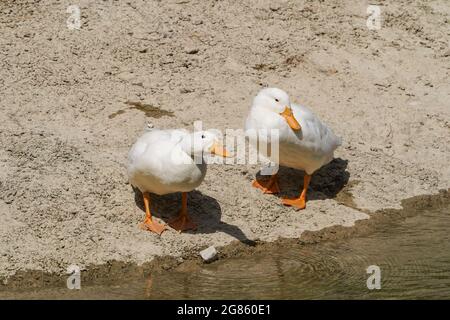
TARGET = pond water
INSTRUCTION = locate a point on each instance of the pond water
(413, 256)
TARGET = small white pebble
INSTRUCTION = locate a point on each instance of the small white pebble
(209, 254)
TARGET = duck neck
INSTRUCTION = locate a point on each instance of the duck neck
(187, 145)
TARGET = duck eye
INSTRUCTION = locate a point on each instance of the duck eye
(203, 136)
(277, 100)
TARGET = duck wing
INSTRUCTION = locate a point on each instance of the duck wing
(315, 133)
(147, 139)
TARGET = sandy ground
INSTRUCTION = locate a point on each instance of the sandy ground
(67, 122)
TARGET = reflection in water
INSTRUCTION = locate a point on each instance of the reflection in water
(414, 257)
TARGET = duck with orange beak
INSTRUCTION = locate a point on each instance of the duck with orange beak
(169, 161)
(305, 143)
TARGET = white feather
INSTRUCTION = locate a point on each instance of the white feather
(158, 163)
(307, 149)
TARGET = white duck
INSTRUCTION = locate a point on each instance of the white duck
(168, 161)
(305, 142)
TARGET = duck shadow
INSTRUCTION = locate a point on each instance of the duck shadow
(325, 183)
(204, 210)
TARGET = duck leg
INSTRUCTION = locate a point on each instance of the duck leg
(149, 223)
(270, 186)
(183, 221)
(299, 202)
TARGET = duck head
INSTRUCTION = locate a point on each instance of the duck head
(203, 142)
(276, 101)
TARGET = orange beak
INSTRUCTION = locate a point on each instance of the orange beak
(218, 149)
(290, 119)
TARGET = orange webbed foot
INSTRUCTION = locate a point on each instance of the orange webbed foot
(153, 226)
(267, 187)
(299, 203)
(182, 223)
